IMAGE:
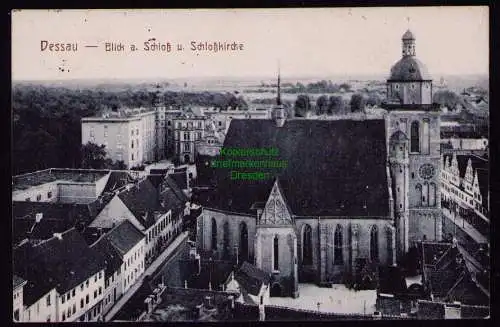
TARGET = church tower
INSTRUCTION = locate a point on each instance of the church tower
(278, 113)
(414, 150)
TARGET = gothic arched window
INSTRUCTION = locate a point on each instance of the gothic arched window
(226, 240)
(307, 245)
(432, 195)
(276, 253)
(214, 234)
(415, 137)
(389, 246)
(338, 257)
(418, 188)
(425, 137)
(374, 243)
(425, 194)
(243, 241)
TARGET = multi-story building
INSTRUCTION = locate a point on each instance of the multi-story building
(147, 209)
(65, 279)
(464, 188)
(124, 248)
(17, 298)
(129, 136)
(188, 129)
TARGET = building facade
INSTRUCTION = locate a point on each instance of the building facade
(188, 129)
(331, 213)
(128, 136)
(17, 298)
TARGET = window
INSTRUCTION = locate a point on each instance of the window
(39, 197)
(226, 238)
(95, 294)
(132, 157)
(214, 234)
(338, 257)
(100, 290)
(87, 299)
(389, 246)
(95, 278)
(186, 146)
(81, 287)
(307, 245)
(276, 253)
(374, 243)
(81, 303)
(63, 299)
(68, 296)
(63, 316)
(132, 144)
(432, 194)
(100, 274)
(418, 188)
(49, 195)
(48, 300)
(415, 137)
(425, 136)
(74, 292)
(87, 283)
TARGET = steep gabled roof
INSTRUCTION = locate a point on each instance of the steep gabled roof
(64, 263)
(112, 258)
(142, 200)
(116, 180)
(334, 167)
(124, 237)
(251, 278)
(17, 281)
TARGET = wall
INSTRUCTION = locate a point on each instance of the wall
(95, 283)
(234, 222)
(133, 265)
(114, 213)
(18, 302)
(76, 192)
(34, 191)
(40, 311)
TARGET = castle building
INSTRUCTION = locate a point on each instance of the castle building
(128, 136)
(354, 193)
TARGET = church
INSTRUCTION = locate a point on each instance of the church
(355, 193)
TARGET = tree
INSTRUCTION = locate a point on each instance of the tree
(373, 100)
(335, 105)
(119, 165)
(302, 105)
(321, 105)
(358, 103)
(94, 156)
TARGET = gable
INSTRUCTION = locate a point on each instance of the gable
(276, 210)
(113, 214)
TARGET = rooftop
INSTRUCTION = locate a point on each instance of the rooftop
(22, 182)
(323, 175)
(124, 237)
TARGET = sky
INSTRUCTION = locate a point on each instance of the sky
(302, 42)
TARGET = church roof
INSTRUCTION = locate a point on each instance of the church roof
(409, 68)
(408, 35)
(334, 167)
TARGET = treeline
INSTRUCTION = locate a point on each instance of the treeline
(47, 120)
(334, 105)
(322, 86)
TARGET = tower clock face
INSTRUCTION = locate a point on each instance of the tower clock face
(426, 171)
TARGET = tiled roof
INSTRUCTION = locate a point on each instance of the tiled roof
(409, 68)
(64, 263)
(116, 180)
(251, 278)
(56, 218)
(180, 178)
(124, 236)
(334, 167)
(467, 291)
(17, 281)
(113, 258)
(142, 200)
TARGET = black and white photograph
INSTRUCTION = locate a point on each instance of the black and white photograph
(279, 164)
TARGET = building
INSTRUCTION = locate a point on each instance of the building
(465, 188)
(448, 275)
(149, 209)
(17, 298)
(328, 211)
(65, 279)
(251, 283)
(211, 143)
(188, 129)
(63, 185)
(124, 249)
(128, 135)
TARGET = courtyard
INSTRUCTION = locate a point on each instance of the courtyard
(337, 299)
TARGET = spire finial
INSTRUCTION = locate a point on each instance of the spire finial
(278, 99)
